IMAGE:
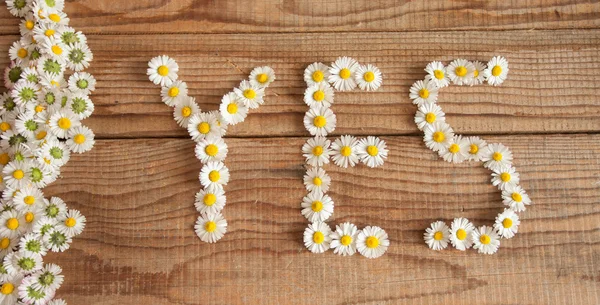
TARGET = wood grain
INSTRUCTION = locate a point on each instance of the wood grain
(139, 246)
(275, 16)
(552, 87)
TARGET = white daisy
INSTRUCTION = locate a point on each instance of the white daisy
(48, 278)
(496, 71)
(210, 200)
(19, 52)
(30, 295)
(72, 223)
(343, 239)
(496, 155)
(428, 114)
(437, 73)
(461, 71)
(317, 180)
(438, 136)
(27, 198)
(162, 70)
(25, 92)
(372, 242)
(211, 227)
(317, 206)
(250, 95)
(437, 236)
(423, 92)
(505, 177)
(53, 4)
(80, 139)
(457, 150)
(43, 226)
(220, 122)
(70, 36)
(32, 243)
(460, 233)
(345, 151)
(203, 126)
(44, 30)
(171, 93)
(507, 223)
(320, 121)
(368, 77)
(372, 151)
(50, 65)
(8, 245)
(18, 8)
(81, 105)
(27, 125)
(52, 82)
(485, 240)
(478, 77)
(27, 24)
(341, 73)
(62, 122)
(320, 94)
(54, 154)
(317, 237)
(214, 174)
(55, 16)
(82, 82)
(15, 174)
(55, 208)
(233, 110)
(316, 151)
(30, 74)
(515, 198)
(211, 149)
(54, 48)
(262, 77)
(316, 73)
(22, 262)
(476, 147)
(57, 241)
(9, 292)
(12, 74)
(185, 109)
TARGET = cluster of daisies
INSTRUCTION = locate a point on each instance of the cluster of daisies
(207, 130)
(40, 127)
(439, 137)
(345, 74)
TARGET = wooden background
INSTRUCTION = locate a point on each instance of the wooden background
(137, 186)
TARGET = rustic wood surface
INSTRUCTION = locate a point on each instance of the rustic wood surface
(137, 186)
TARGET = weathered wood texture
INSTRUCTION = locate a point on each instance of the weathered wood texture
(553, 84)
(243, 16)
(139, 246)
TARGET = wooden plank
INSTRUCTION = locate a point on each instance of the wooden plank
(552, 87)
(139, 246)
(275, 16)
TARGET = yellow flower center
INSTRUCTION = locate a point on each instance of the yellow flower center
(214, 176)
(18, 174)
(70, 222)
(439, 74)
(29, 24)
(496, 70)
(39, 108)
(369, 76)
(507, 223)
(40, 135)
(473, 149)
(319, 95)
(29, 216)
(439, 136)
(173, 92)
(4, 243)
(49, 32)
(372, 242)
(12, 223)
(517, 197)
(317, 206)
(317, 181)
(438, 235)
(7, 288)
(249, 94)
(346, 240)
(64, 123)
(29, 200)
(345, 73)
(4, 126)
(317, 150)
(461, 234)
(318, 76)
(57, 50)
(475, 73)
(4, 159)
(210, 226)
(484, 239)
(262, 78)
(497, 156)
(319, 121)
(204, 128)
(79, 139)
(372, 150)
(424, 93)
(186, 111)
(430, 117)
(163, 71)
(505, 177)
(211, 150)
(454, 148)
(460, 71)
(346, 151)
(54, 17)
(209, 199)
(22, 53)
(318, 237)
(232, 108)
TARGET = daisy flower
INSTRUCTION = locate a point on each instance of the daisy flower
(505, 177)
(372, 151)
(12, 74)
(82, 82)
(214, 174)
(31, 217)
(25, 92)
(51, 82)
(460, 233)
(19, 52)
(485, 240)
(28, 198)
(43, 226)
(232, 109)
(171, 93)
(317, 207)
(71, 223)
(62, 122)
(211, 149)
(461, 71)
(341, 73)
(320, 94)
(345, 151)
(27, 125)
(368, 77)
(57, 241)
(162, 70)
(438, 136)
(32, 243)
(55, 208)
(18, 8)
(423, 92)
(210, 227)
(30, 74)
(80, 139)
(8, 245)
(81, 105)
(55, 16)
(48, 278)
(79, 57)
(317, 237)
(316, 151)
(54, 154)
(316, 73)
(15, 174)
(262, 77)
(428, 114)
(54, 48)
(210, 200)
(437, 236)
(437, 74)
(27, 24)
(457, 150)
(317, 180)
(372, 242)
(507, 223)
(250, 95)
(343, 239)
(30, 295)
(320, 121)
(476, 146)
(496, 155)
(22, 262)
(478, 77)
(496, 71)
(9, 292)
(50, 65)
(203, 126)
(515, 198)
(185, 109)
(44, 30)
(70, 36)
(58, 5)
